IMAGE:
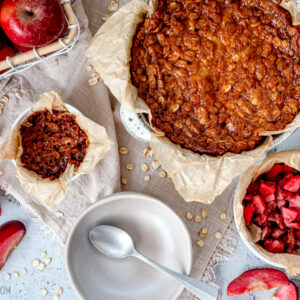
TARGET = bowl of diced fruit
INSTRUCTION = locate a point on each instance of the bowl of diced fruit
(267, 210)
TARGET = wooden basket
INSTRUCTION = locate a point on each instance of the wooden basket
(24, 61)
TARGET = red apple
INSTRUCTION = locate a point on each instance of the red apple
(25, 49)
(32, 23)
(11, 234)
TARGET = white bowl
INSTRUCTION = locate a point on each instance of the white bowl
(157, 232)
(22, 116)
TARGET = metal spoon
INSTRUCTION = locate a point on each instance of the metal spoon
(117, 243)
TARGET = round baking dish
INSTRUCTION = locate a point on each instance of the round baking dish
(22, 116)
(139, 128)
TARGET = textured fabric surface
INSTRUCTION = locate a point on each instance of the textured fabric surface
(70, 80)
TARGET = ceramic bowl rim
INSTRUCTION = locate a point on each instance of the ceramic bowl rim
(115, 197)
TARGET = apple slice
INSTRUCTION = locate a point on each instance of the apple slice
(293, 184)
(248, 214)
(11, 233)
(295, 201)
(286, 292)
(289, 215)
(274, 246)
(267, 188)
(256, 280)
(274, 172)
(259, 204)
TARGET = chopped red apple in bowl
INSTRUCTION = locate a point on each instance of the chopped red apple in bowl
(272, 203)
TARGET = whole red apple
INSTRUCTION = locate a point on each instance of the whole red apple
(32, 23)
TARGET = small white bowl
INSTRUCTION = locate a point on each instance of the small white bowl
(22, 116)
(157, 232)
(251, 245)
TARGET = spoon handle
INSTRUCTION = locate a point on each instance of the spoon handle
(202, 290)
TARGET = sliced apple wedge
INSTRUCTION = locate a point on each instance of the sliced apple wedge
(286, 292)
(256, 280)
(11, 233)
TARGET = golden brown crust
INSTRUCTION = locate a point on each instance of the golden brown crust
(216, 74)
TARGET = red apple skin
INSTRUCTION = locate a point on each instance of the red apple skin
(25, 49)
(256, 280)
(11, 233)
(286, 292)
(32, 23)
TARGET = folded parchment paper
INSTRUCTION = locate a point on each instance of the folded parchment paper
(291, 262)
(196, 177)
(48, 191)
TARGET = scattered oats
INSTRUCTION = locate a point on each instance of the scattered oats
(226, 88)
(24, 271)
(59, 214)
(162, 174)
(154, 164)
(204, 213)
(144, 167)
(1, 112)
(197, 219)
(7, 276)
(5, 99)
(200, 243)
(89, 68)
(17, 274)
(56, 297)
(92, 81)
(179, 215)
(189, 215)
(105, 18)
(1, 105)
(48, 261)
(95, 75)
(44, 292)
(1, 172)
(203, 232)
(27, 124)
(35, 263)
(223, 216)
(59, 291)
(56, 62)
(18, 95)
(44, 254)
(123, 180)
(147, 178)
(123, 150)
(218, 235)
(112, 6)
(41, 266)
(151, 153)
(146, 152)
(130, 166)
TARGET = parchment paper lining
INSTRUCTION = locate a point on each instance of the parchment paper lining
(290, 262)
(196, 177)
(53, 192)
